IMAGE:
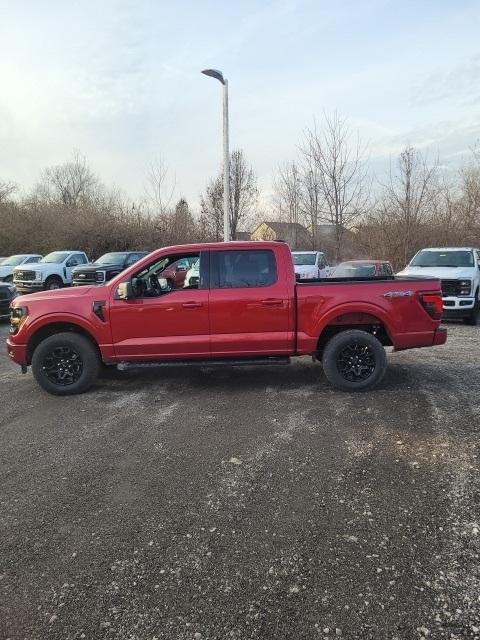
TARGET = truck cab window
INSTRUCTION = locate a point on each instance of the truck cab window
(172, 269)
(239, 269)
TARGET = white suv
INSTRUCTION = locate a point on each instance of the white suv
(459, 270)
(51, 272)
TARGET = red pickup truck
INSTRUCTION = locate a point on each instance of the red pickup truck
(246, 308)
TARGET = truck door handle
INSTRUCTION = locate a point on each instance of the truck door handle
(272, 302)
(191, 305)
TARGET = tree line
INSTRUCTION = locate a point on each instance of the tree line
(70, 207)
(419, 203)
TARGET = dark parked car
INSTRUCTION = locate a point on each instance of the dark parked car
(7, 293)
(105, 268)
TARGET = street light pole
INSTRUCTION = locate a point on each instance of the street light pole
(226, 167)
(214, 73)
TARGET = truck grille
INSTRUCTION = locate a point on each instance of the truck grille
(24, 275)
(84, 276)
(450, 288)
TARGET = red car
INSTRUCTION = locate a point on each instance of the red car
(363, 269)
(247, 308)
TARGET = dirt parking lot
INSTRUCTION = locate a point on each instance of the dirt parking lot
(244, 503)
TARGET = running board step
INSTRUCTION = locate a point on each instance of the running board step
(244, 362)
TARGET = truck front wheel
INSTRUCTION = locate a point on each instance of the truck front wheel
(65, 364)
(472, 318)
(54, 282)
(354, 360)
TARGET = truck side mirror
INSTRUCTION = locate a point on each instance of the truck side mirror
(125, 290)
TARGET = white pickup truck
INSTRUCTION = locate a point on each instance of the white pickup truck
(8, 264)
(459, 270)
(51, 272)
(309, 265)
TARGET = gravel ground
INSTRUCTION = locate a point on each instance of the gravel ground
(244, 503)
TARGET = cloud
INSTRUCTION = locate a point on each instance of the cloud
(460, 81)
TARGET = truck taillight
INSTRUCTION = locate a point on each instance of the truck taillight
(433, 305)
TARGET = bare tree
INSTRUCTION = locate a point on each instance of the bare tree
(341, 170)
(69, 184)
(469, 201)
(312, 200)
(243, 190)
(7, 189)
(160, 185)
(408, 196)
(243, 198)
(288, 194)
(211, 211)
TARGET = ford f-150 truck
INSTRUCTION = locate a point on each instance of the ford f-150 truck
(246, 308)
(458, 268)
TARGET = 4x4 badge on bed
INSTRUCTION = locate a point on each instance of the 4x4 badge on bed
(398, 294)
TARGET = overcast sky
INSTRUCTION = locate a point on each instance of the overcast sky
(120, 81)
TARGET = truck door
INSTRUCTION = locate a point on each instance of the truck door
(162, 325)
(250, 304)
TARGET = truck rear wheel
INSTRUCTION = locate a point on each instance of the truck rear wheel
(354, 360)
(65, 364)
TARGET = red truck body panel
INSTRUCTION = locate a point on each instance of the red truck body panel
(283, 318)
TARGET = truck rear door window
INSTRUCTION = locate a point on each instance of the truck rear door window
(240, 269)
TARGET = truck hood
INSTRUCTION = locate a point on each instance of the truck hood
(96, 267)
(444, 273)
(57, 294)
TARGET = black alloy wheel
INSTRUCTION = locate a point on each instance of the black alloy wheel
(66, 363)
(63, 366)
(356, 362)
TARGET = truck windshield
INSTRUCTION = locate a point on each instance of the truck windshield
(56, 257)
(111, 258)
(13, 261)
(443, 259)
(304, 259)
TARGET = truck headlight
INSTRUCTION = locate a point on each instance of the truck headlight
(100, 276)
(465, 287)
(38, 275)
(18, 315)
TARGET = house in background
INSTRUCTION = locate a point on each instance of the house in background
(294, 234)
(324, 239)
(243, 235)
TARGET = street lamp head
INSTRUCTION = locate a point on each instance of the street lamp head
(214, 73)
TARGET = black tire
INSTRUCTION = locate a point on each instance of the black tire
(65, 364)
(473, 317)
(53, 282)
(354, 360)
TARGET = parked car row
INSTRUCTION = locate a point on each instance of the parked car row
(458, 268)
(32, 272)
(310, 265)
